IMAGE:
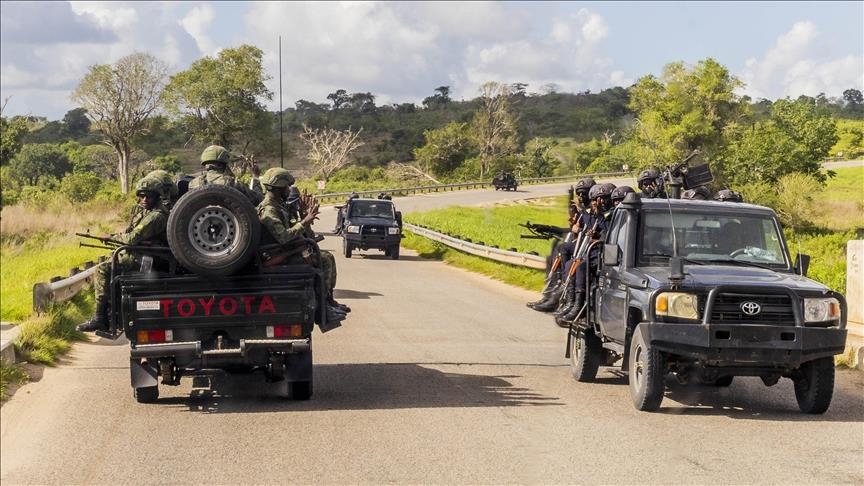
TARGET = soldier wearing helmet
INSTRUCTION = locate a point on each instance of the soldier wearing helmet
(292, 228)
(215, 160)
(650, 182)
(728, 195)
(146, 228)
(619, 193)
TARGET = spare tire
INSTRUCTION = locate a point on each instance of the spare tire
(213, 230)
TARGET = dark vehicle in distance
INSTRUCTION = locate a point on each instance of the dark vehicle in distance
(371, 224)
(505, 181)
(706, 291)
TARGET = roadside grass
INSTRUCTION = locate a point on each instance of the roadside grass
(46, 336)
(843, 199)
(847, 359)
(10, 374)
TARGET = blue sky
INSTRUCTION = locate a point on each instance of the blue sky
(402, 51)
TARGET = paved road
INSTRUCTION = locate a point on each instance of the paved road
(439, 376)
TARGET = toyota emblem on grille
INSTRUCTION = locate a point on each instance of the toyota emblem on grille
(750, 308)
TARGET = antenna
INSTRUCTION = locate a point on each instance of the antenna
(281, 133)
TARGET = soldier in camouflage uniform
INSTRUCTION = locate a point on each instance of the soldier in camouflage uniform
(216, 171)
(276, 217)
(147, 227)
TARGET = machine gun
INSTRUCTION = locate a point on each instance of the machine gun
(107, 243)
(543, 231)
(682, 175)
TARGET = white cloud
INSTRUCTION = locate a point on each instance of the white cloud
(794, 65)
(196, 22)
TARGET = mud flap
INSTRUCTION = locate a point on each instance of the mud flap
(298, 366)
(143, 375)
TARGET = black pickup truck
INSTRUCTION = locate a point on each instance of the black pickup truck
(372, 224)
(706, 291)
(207, 302)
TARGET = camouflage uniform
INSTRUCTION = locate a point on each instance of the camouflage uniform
(215, 160)
(284, 225)
(147, 227)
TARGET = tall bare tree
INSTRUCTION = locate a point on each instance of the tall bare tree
(329, 149)
(119, 99)
(494, 125)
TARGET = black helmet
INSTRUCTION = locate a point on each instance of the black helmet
(621, 192)
(701, 193)
(583, 185)
(601, 190)
(728, 195)
(353, 195)
(648, 175)
(293, 195)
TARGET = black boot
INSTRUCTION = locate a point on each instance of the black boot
(344, 308)
(566, 302)
(573, 313)
(550, 303)
(99, 321)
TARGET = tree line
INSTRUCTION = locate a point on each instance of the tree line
(133, 117)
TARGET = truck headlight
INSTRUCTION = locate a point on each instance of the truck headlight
(393, 231)
(353, 229)
(821, 310)
(677, 304)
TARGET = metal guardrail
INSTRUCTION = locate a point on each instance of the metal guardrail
(404, 191)
(60, 289)
(488, 252)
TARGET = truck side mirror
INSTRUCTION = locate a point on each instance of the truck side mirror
(610, 254)
(802, 263)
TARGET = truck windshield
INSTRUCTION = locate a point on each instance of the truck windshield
(711, 237)
(371, 209)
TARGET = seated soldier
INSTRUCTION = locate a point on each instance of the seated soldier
(216, 171)
(275, 217)
(147, 227)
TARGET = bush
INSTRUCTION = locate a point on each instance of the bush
(80, 187)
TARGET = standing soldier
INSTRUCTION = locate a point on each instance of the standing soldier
(216, 171)
(147, 227)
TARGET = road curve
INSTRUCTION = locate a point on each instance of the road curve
(438, 376)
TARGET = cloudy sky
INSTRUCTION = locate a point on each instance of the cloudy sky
(402, 51)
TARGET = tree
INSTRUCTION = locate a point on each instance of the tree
(446, 149)
(219, 99)
(12, 132)
(76, 122)
(853, 96)
(39, 162)
(685, 109)
(537, 160)
(329, 149)
(493, 124)
(439, 99)
(119, 99)
(339, 98)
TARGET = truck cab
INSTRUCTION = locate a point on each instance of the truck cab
(706, 291)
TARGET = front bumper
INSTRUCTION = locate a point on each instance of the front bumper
(745, 344)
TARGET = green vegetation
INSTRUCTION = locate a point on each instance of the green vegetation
(10, 373)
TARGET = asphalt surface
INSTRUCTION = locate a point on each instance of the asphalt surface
(438, 376)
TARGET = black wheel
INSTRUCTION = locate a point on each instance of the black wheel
(146, 394)
(346, 248)
(301, 390)
(213, 230)
(814, 385)
(585, 354)
(394, 253)
(645, 374)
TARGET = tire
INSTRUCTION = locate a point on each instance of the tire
(814, 386)
(394, 253)
(346, 248)
(213, 230)
(645, 374)
(301, 390)
(585, 354)
(146, 394)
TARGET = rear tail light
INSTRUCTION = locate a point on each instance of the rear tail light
(155, 336)
(292, 330)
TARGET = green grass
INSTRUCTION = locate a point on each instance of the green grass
(10, 373)
(22, 266)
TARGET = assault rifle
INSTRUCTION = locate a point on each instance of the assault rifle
(543, 231)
